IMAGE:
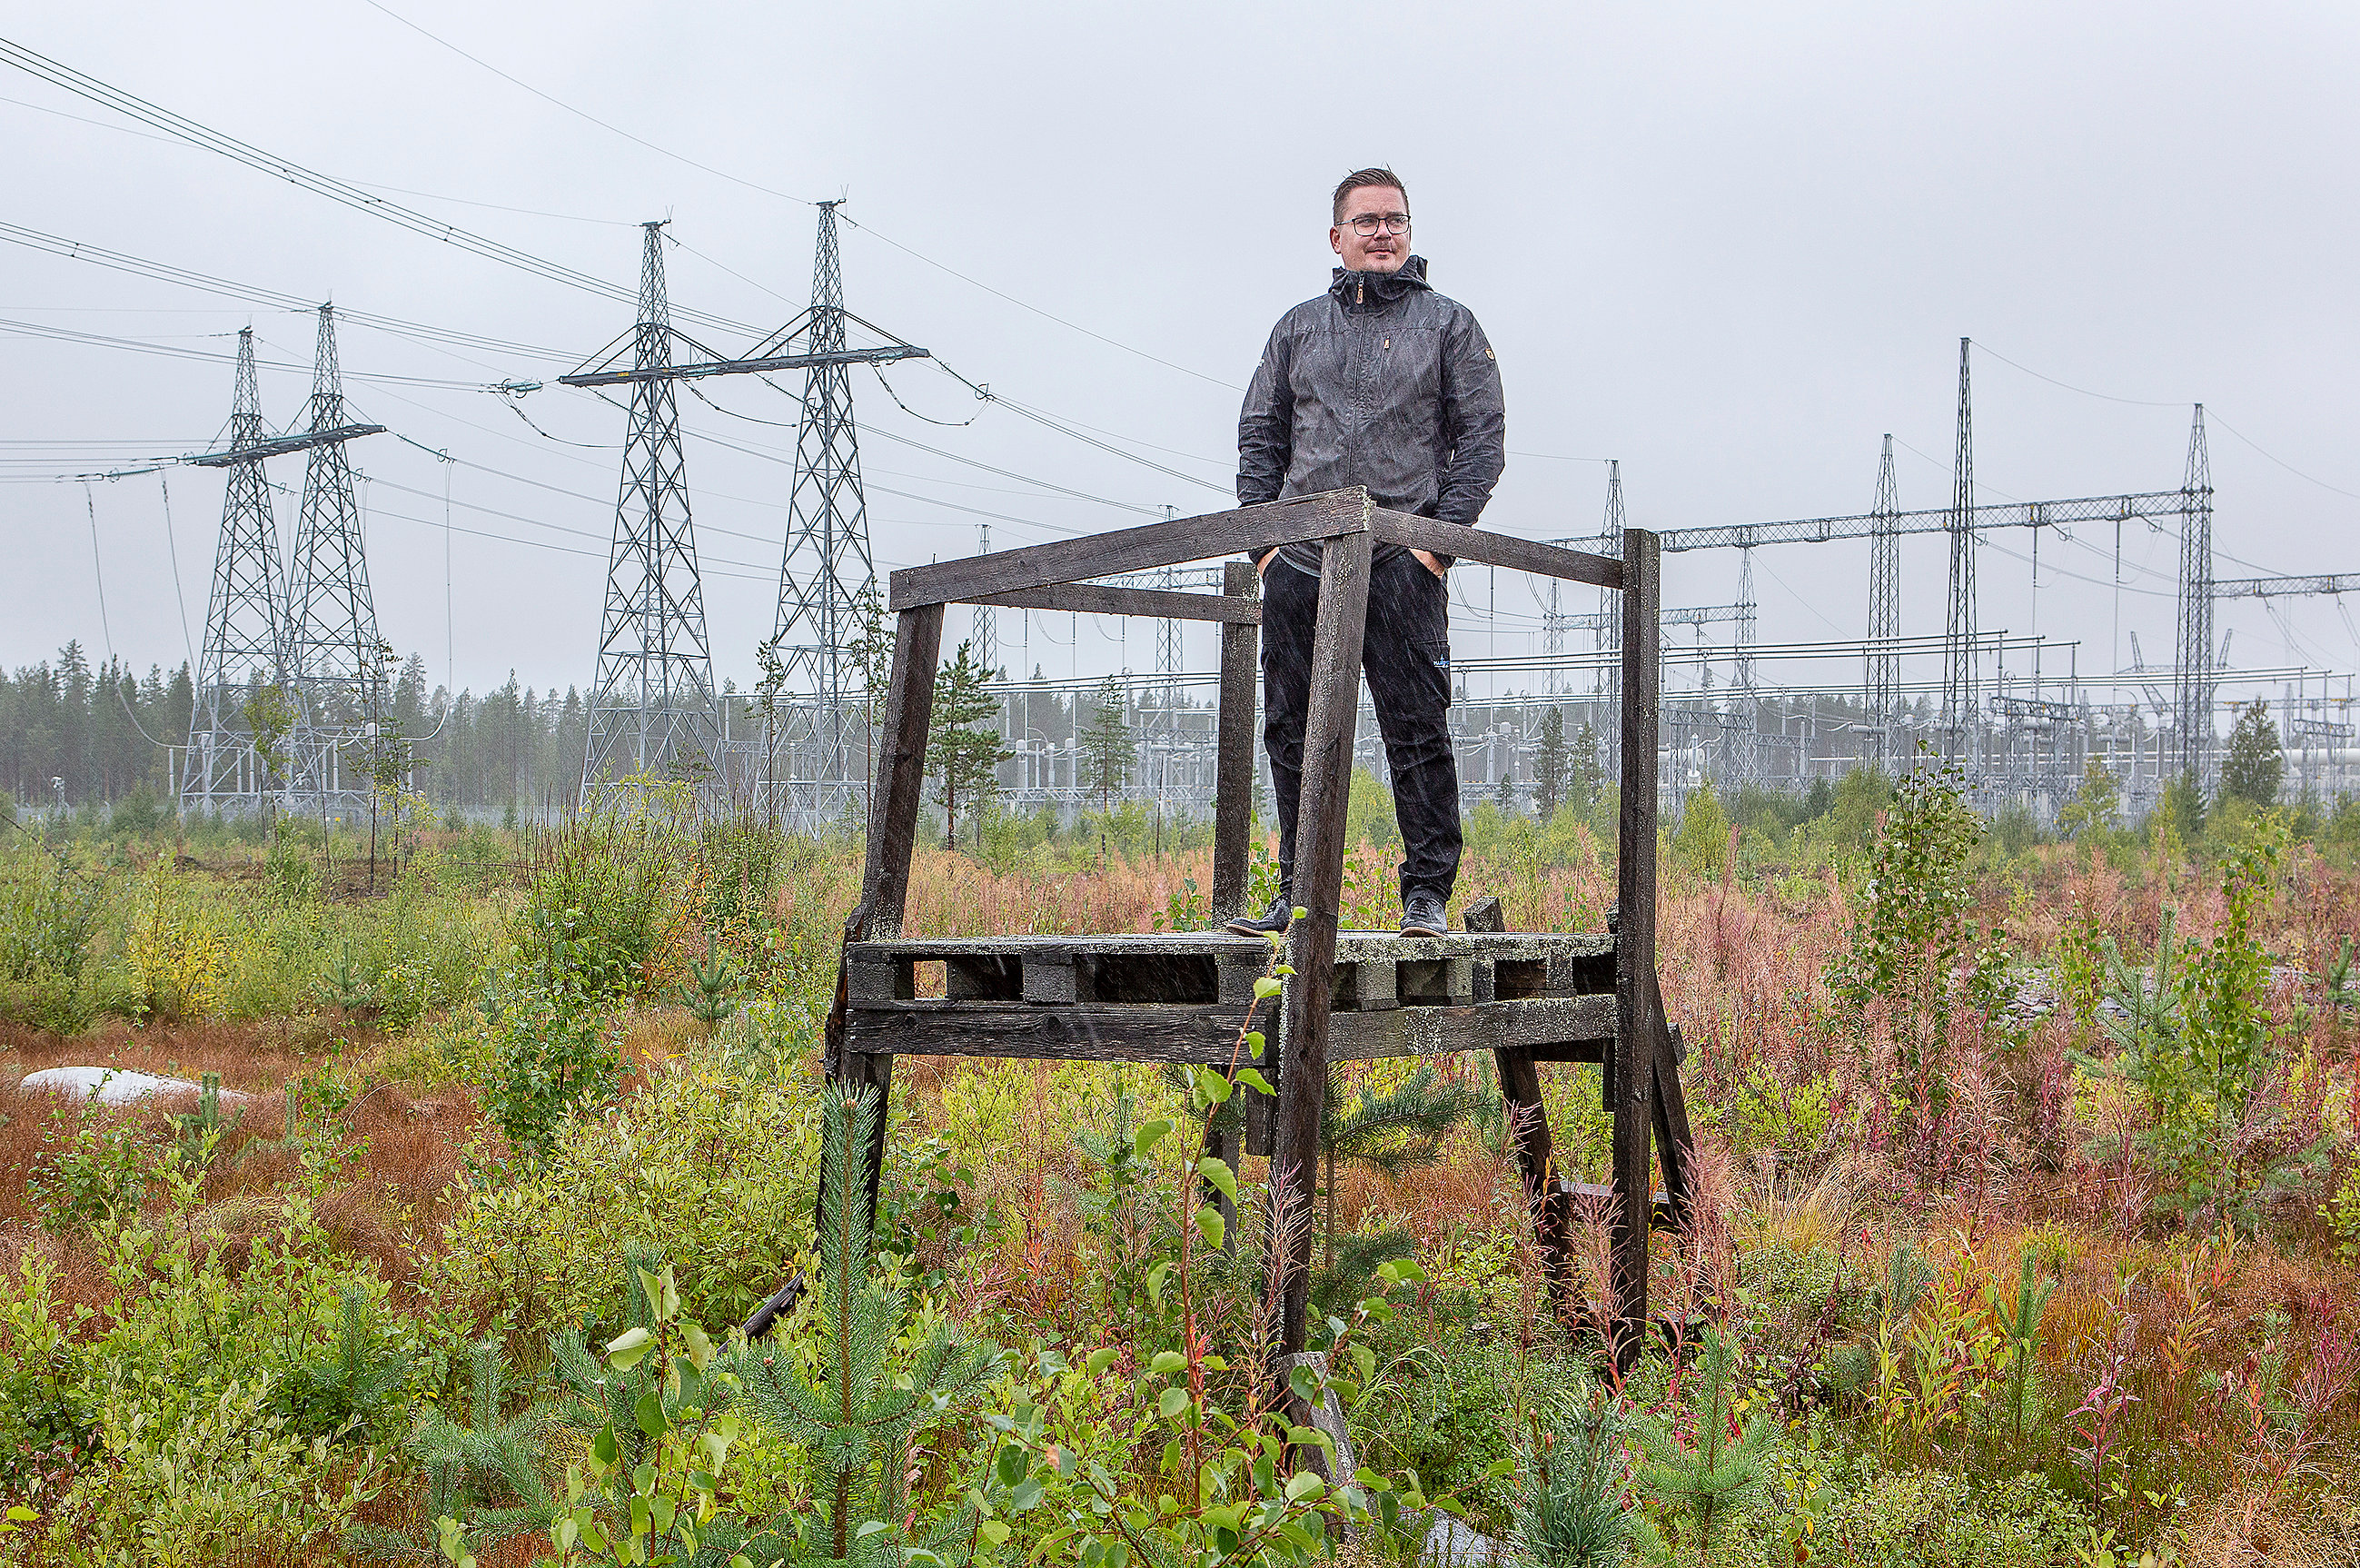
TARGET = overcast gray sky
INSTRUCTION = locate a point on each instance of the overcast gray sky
(1731, 246)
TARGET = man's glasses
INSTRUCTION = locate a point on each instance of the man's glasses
(1370, 223)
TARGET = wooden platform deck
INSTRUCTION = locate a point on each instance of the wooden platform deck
(1182, 996)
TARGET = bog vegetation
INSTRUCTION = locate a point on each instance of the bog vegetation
(2031, 1228)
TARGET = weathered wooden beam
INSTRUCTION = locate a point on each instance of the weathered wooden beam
(1528, 1134)
(1233, 763)
(1553, 1028)
(901, 770)
(1204, 1034)
(1579, 951)
(1675, 1144)
(1318, 891)
(892, 835)
(1099, 599)
(1328, 515)
(1495, 549)
(1635, 940)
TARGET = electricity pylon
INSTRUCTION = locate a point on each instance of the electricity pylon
(652, 709)
(2193, 678)
(1885, 602)
(245, 626)
(1958, 704)
(824, 500)
(826, 566)
(334, 651)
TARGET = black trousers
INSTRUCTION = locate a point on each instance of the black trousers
(1407, 655)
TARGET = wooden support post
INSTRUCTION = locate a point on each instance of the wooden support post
(1676, 1145)
(1234, 764)
(1327, 733)
(894, 833)
(1528, 1131)
(1635, 1026)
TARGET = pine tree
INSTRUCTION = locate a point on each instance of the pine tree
(1552, 765)
(1699, 1482)
(1588, 768)
(855, 1412)
(1397, 1130)
(1107, 750)
(2253, 766)
(964, 753)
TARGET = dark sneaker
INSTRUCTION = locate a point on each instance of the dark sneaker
(1271, 922)
(1422, 916)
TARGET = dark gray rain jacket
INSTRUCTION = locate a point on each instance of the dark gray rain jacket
(1383, 382)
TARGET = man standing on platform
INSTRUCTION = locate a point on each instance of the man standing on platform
(1383, 382)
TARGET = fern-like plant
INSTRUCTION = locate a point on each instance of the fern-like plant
(1698, 1478)
(855, 1408)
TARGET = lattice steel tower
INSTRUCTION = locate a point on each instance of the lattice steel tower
(333, 650)
(1884, 601)
(653, 709)
(826, 563)
(245, 621)
(2192, 676)
(1959, 695)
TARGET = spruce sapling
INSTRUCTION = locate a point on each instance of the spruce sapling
(484, 1473)
(854, 1413)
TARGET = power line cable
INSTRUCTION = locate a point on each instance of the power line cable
(800, 201)
(344, 192)
(278, 299)
(99, 572)
(172, 544)
(140, 346)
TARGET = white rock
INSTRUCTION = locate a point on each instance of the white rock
(111, 1085)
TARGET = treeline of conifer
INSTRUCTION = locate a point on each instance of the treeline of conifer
(97, 734)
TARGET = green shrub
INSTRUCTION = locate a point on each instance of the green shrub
(1932, 1519)
(101, 1170)
(602, 904)
(553, 1053)
(220, 1481)
(45, 1422)
(709, 1163)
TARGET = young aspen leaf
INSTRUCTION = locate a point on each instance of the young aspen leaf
(1266, 988)
(1100, 1359)
(629, 1348)
(1284, 968)
(1217, 1172)
(1251, 1077)
(1210, 1224)
(1168, 1361)
(1148, 1136)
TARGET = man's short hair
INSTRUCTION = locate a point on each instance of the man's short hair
(1362, 180)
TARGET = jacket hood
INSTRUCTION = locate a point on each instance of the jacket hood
(1386, 286)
